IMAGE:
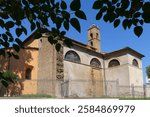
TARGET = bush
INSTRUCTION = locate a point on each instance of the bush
(148, 71)
(12, 86)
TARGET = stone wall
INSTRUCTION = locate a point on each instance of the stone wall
(50, 73)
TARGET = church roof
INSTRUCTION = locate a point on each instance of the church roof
(124, 51)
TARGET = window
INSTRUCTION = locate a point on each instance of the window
(135, 63)
(95, 63)
(113, 63)
(96, 35)
(28, 73)
(72, 56)
(91, 35)
(91, 43)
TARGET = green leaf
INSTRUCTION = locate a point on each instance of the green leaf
(129, 24)
(106, 17)
(75, 5)
(137, 14)
(66, 25)
(125, 24)
(9, 24)
(63, 33)
(16, 47)
(141, 22)
(1, 23)
(146, 17)
(146, 7)
(80, 14)
(63, 5)
(2, 52)
(19, 42)
(5, 37)
(38, 35)
(9, 54)
(66, 15)
(9, 34)
(116, 22)
(58, 47)
(24, 30)
(99, 15)
(18, 23)
(15, 56)
(138, 30)
(50, 39)
(97, 4)
(68, 42)
(75, 23)
(18, 32)
(5, 83)
(114, 1)
(33, 26)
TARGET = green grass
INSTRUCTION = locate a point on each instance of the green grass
(35, 96)
(124, 98)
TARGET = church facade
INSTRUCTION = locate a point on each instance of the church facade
(80, 71)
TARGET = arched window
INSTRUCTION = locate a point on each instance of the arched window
(135, 63)
(72, 56)
(113, 63)
(95, 63)
(28, 73)
(97, 35)
(91, 35)
(91, 43)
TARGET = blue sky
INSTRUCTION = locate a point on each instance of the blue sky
(113, 39)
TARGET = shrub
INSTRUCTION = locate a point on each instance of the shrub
(148, 71)
(11, 83)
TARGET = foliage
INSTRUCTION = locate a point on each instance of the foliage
(11, 83)
(148, 71)
(126, 12)
(39, 14)
(8, 77)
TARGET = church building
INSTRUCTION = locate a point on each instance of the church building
(82, 70)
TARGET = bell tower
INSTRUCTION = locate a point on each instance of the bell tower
(94, 37)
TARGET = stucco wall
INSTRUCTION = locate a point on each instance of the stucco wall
(85, 55)
(135, 73)
(47, 68)
(28, 58)
(84, 81)
(118, 73)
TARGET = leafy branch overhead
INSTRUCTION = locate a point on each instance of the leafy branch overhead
(38, 13)
(63, 15)
(128, 13)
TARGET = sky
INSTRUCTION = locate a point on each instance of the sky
(113, 38)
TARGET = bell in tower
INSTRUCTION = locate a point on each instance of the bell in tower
(94, 37)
